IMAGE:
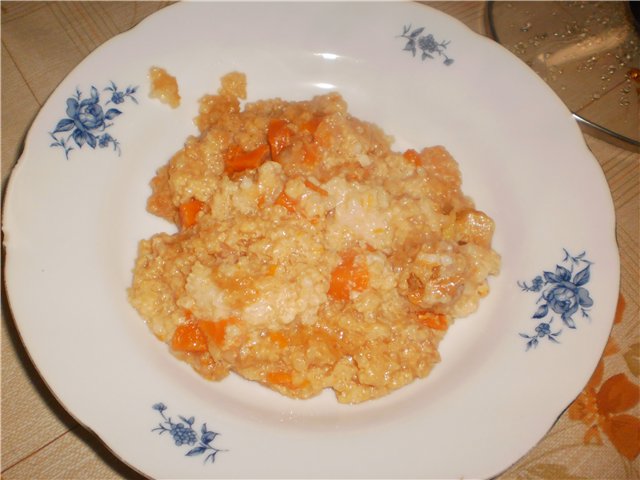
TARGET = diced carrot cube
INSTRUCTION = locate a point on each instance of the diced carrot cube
(413, 156)
(213, 330)
(238, 160)
(436, 321)
(311, 126)
(347, 277)
(279, 137)
(279, 338)
(279, 378)
(189, 338)
(188, 212)
(339, 285)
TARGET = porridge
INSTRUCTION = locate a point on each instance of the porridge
(309, 255)
(164, 87)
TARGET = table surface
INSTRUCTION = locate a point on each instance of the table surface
(596, 438)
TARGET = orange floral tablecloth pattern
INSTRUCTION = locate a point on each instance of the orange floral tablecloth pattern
(597, 437)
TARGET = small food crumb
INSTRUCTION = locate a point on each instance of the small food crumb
(233, 84)
(164, 87)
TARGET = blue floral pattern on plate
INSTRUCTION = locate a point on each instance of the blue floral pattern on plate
(426, 43)
(563, 292)
(183, 433)
(86, 119)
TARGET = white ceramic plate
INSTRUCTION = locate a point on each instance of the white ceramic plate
(74, 214)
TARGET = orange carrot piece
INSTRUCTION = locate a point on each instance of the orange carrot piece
(188, 212)
(279, 378)
(238, 160)
(316, 188)
(279, 339)
(286, 201)
(215, 331)
(279, 137)
(189, 338)
(413, 157)
(312, 125)
(339, 285)
(347, 277)
(436, 321)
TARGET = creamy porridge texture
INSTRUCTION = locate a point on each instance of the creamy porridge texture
(309, 255)
(164, 87)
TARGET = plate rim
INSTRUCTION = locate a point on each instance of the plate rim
(25, 154)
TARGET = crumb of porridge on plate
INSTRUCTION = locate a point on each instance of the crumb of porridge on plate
(309, 255)
(164, 87)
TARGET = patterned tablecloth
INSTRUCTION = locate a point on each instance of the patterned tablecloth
(597, 437)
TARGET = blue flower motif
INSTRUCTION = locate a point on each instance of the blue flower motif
(566, 298)
(118, 96)
(86, 120)
(183, 433)
(563, 293)
(536, 285)
(161, 407)
(105, 139)
(426, 43)
(542, 330)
